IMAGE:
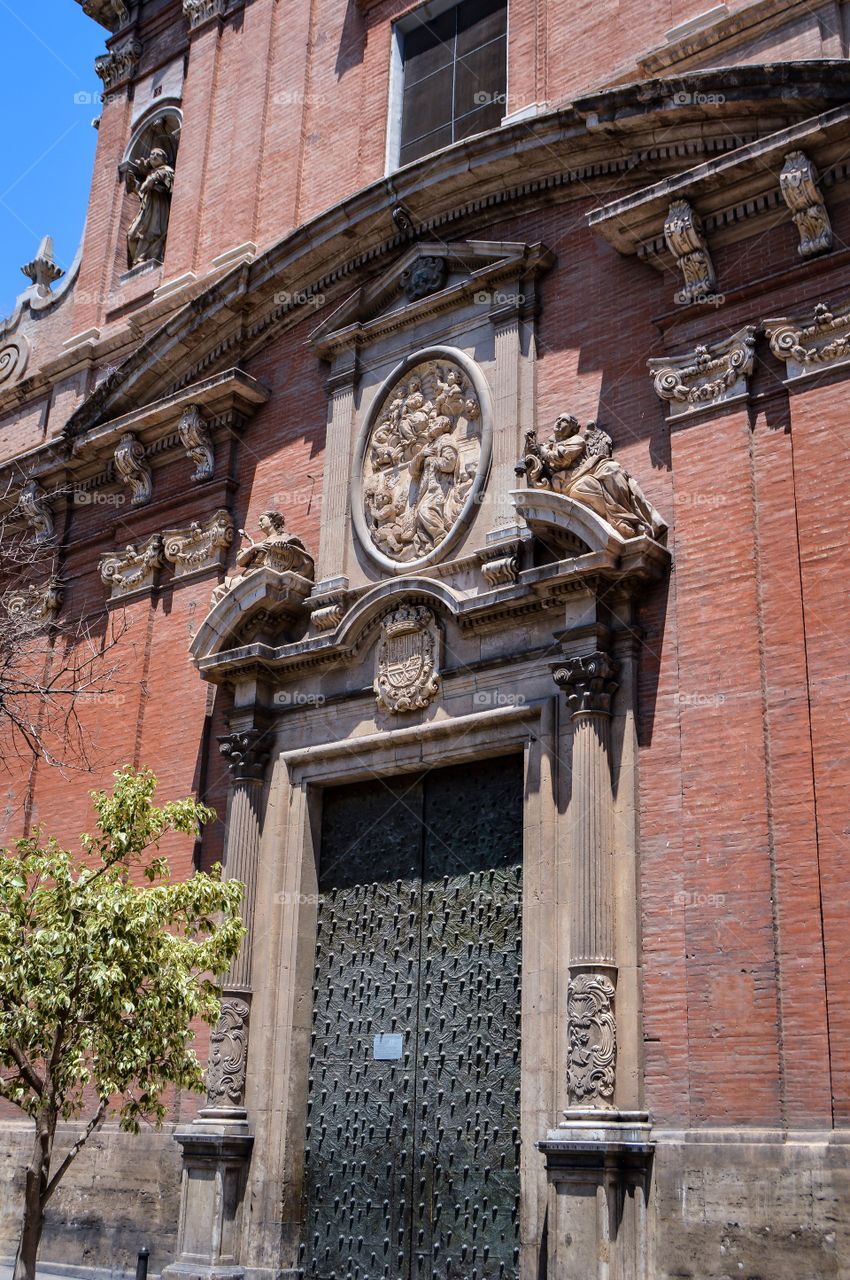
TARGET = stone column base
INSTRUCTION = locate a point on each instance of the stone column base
(215, 1165)
(598, 1165)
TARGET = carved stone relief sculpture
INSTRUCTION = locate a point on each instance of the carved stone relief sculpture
(119, 63)
(593, 1039)
(37, 603)
(426, 275)
(707, 376)
(577, 461)
(152, 180)
(195, 439)
(228, 1054)
(133, 569)
(407, 675)
(14, 357)
(421, 461)
(278, 549)
(813, 342)
(798, 183)
(132, 467)
(684, 236)
(199, 547)
(35, 509)
(200, 11)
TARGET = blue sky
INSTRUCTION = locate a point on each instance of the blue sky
(47, 53)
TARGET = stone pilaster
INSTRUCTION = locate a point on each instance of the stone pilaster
(336, 493)
(597, 1159)
(217, 1146)
(590, 684)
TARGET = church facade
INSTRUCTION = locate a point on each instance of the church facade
(448, 400)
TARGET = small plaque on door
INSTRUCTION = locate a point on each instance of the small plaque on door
(388, 1048)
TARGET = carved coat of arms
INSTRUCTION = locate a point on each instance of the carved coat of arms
(407, 676)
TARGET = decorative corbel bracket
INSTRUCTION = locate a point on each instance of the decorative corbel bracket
(798, 183)
(133, 468)
(34, 506)
(685, 238)
(200, 12)
(811, 344)
(196, 440)
(706, 377)
(117, 66)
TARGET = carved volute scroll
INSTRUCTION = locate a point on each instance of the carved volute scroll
(133, 468)
(35, 509)
(420, 462)
(685, 238)
(195, 439)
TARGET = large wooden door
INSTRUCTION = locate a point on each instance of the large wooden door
(413, 1114)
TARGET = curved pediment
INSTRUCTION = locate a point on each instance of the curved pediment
(544, 511)
(263, 600)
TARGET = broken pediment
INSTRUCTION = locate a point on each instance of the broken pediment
(429, 278)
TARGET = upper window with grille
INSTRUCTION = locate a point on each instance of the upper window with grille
(454, 69)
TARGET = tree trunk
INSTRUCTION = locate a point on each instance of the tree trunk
(35, 1187)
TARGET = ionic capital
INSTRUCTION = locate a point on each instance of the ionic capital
(589, 683)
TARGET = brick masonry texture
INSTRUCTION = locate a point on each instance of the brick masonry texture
(743, 680)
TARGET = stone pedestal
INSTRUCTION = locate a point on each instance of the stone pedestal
(215, 1162)
(598, 1164)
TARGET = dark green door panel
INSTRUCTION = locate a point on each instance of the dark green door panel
(412, 1144)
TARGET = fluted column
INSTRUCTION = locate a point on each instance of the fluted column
(589, 683)
(217, 1145)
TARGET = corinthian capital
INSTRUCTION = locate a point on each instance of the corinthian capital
(246, 752)
(589, 683)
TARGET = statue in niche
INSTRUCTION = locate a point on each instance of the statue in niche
(421, 461)
(577, 461)
(152, 179)
(278, 549)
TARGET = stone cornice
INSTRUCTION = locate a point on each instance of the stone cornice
(604, 135)
(753, 19)
(729, 191)
(111, 14)
(119, 64)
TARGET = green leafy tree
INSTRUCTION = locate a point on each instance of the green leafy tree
(101, 978)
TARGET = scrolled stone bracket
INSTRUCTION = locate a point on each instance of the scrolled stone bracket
(133, 468)
(119, 64)
(685, 238)
(195, 438)
(798, 183)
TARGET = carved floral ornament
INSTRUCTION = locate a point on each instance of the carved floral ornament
(228, 1054)
(133, 569)
(798, 183)
(199, 547)
(422, 460)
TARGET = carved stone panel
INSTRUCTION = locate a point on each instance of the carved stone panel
(593, 1039)
(421, 461)
(407, 675)
(228, 1055)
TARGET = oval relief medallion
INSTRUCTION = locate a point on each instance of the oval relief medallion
(422, 460)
